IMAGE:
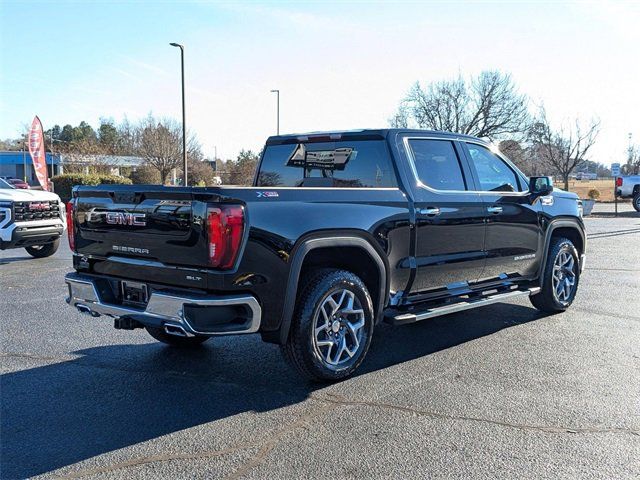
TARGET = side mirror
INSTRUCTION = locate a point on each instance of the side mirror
(540, 186)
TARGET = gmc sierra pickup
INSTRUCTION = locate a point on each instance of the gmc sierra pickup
(629, 187)
(30, 219)
(340, 231)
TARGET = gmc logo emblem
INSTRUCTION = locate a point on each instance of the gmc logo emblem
(39, 206)
(122, 218)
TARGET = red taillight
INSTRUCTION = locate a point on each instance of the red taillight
(619, 182)
(70, 232)
(225, 226)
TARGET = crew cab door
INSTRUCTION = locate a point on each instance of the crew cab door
(449, 216)
(513, 237)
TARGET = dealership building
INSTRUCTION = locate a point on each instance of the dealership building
(19, 165)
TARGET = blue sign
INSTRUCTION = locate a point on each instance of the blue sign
(615, 169)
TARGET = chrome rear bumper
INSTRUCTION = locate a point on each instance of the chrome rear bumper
(163, 310)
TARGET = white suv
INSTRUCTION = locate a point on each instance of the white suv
(30, 219)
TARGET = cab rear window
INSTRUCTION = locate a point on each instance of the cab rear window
(345, 164)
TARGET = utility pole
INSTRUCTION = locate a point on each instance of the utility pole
(277, 92)
(52, 155)
(24, 159)
(184, 131)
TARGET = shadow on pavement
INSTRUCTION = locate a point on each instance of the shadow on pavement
(17, 259)
(119, 395)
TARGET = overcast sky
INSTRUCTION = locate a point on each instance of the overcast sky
(338, 65)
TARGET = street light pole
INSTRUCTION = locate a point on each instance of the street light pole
(184, 131)
(277, 92)
(24, 158)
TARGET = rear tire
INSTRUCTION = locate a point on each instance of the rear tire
(560, 279)
(42, 251)
(636, 202)
(175, 341)
(332, 326)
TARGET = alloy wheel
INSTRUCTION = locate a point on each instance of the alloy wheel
(564, 276)
(339, 328)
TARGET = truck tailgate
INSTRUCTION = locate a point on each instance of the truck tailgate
(165, 225)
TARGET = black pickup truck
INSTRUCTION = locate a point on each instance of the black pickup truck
(340, 231)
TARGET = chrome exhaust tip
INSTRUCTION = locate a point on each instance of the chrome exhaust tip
(86, 310)
(176, 330)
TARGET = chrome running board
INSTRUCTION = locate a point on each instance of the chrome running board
(460, 306)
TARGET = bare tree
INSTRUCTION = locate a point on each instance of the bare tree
(83, 156)
(632, 167)
(127, 142)
(488, 105)
(201, 173)
(244, 167)
(159, 143)
(517, 154)
(565, 149)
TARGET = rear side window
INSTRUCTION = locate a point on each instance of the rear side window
(437, 164)
(357, 164)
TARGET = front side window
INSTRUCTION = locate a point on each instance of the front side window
(437, 164)
(359, 164)
(494, 175)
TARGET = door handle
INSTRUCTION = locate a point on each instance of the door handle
(494, 210)
(431, 211)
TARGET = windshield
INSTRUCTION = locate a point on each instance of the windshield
(5, 184)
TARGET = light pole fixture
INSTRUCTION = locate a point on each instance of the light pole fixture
(184, 130)
(24, 158)
(277, 92)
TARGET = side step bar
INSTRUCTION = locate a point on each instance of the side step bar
(405, 318)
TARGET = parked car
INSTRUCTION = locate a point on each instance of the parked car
(30, 219)
(629, 187)
(339, 232)
(586, 176)
(16, 182)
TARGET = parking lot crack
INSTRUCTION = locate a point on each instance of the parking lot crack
(606, 314)
(33, 356)
(339, 400)
(271, 442)
(136, 462)
(264, 446)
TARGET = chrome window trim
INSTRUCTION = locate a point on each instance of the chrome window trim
(419, 183)
(268, 189)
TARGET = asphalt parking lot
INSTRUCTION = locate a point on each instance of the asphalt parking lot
(500, 392)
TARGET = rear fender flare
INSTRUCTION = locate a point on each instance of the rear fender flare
(340, 240)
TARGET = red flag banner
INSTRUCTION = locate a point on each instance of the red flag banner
(36, 150)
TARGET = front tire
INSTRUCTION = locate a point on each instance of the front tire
(332, 326)
(636, 202)
(560, 279)
(174, 340)
(42, 251)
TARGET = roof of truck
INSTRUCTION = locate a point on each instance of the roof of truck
(363, 134)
